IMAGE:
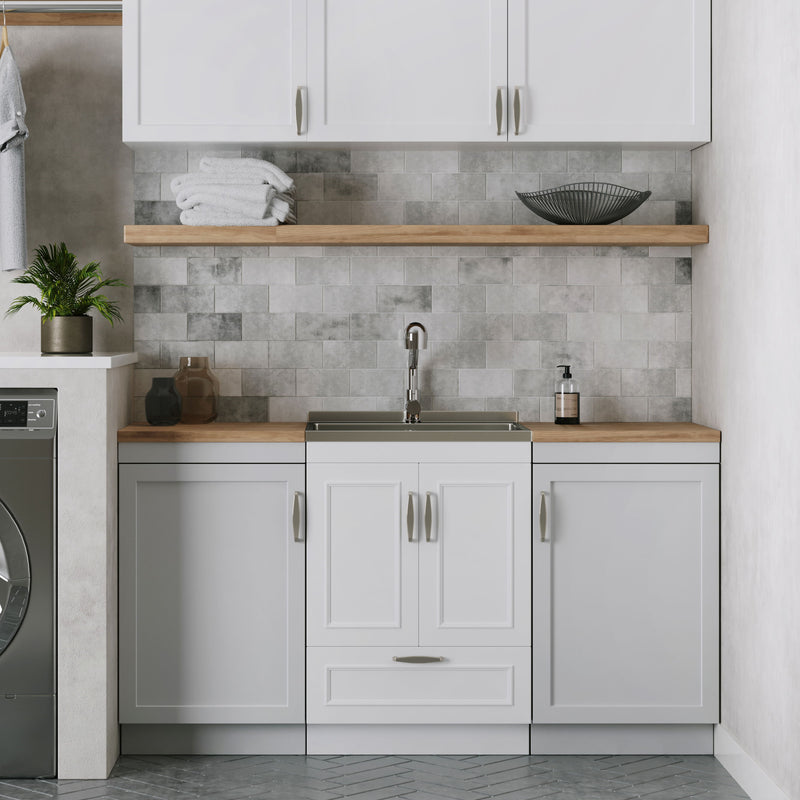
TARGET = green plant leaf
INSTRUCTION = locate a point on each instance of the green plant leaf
(66, 289)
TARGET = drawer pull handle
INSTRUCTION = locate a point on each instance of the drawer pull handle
(418, 659)
(517, 110)
(410, 517)
(296, 517)
(428, 517)
(543, 518)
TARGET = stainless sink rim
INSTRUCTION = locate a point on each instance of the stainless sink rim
(435, 426)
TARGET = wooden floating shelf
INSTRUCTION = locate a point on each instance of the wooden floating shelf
(496, 235)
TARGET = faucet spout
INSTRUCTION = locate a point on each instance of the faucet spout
(416, 339)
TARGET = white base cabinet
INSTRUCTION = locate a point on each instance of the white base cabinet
(465, 685)
(211, 592)
(418, 606)
(626, 593)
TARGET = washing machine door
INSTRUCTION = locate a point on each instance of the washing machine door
(15, 577)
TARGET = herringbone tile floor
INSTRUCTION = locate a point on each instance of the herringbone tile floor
(406, 777)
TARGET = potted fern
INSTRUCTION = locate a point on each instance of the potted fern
(68, 292)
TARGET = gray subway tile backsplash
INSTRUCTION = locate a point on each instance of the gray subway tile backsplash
(293, 329)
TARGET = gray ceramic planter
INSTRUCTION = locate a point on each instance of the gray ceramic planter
(67, 335)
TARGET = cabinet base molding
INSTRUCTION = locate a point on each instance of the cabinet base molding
(204, 740)
(622, 739)
(744, 769)
(417, 739)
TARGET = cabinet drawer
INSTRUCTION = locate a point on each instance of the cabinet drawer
(469, 685)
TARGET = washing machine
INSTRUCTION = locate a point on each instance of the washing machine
(27, 583)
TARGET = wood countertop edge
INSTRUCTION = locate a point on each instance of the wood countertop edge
(622, 432)
(224, 432)
(294, 432)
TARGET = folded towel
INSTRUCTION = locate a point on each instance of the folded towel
(248, 201)
(248, 166)
(218, 178)
(209, 215)
(280, 209)
(253, 193)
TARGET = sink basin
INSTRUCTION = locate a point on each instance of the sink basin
(435, 426)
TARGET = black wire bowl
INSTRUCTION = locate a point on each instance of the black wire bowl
(584, 203)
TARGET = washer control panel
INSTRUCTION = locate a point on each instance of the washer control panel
(27, 413)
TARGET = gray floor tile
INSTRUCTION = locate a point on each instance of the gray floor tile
(381, 777)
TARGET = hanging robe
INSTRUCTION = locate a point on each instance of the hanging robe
(13, 132)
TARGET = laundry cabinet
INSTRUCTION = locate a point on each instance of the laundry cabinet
(625, 597)
(211, 584)
(293, 71)
(418, 568)
(610, 71)
(212, 70)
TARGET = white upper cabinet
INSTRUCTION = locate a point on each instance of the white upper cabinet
(411, 71)
(610, 71)
(289, 71)
(212, 70)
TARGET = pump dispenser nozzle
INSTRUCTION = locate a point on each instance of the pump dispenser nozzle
(566, 367)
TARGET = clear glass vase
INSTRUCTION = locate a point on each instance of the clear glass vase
(199, 390)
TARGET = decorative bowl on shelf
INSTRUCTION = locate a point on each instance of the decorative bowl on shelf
(584, 203)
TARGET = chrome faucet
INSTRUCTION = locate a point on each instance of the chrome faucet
(415, 340)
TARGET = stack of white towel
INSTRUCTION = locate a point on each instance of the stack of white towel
(235, 191)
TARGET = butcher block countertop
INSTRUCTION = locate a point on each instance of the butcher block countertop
(541, 432)
(622, 432)
(216, 432)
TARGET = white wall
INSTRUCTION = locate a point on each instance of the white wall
(746, 300)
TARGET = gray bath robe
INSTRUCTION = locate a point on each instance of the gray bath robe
(13, 132)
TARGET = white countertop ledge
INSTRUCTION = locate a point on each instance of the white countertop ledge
(32, 360)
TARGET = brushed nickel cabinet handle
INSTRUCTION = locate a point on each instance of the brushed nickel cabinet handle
(517, 110)
(543, 518)
(410, 517)
(296, 517)
(417, 659)
(298, 109)
(428, 516)
(498, 109)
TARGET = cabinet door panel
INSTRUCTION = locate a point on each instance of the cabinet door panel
(467, 685)
(207, 70)
(625, 604)
(620, 70)
(362, 569)
(475, 571)
(211, 594)
(420, 70)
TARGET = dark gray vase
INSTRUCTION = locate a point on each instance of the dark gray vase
(67, 335)
(162, 404)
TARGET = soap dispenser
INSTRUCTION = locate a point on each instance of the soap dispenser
(568, 398)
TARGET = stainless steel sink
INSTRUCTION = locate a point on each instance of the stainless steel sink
(434, 426)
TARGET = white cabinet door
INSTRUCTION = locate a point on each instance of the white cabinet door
(626, 593)
(211, 594)
(410, 71)
(475, 555)
(362, 568)
(610, 71)
(212, 70)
